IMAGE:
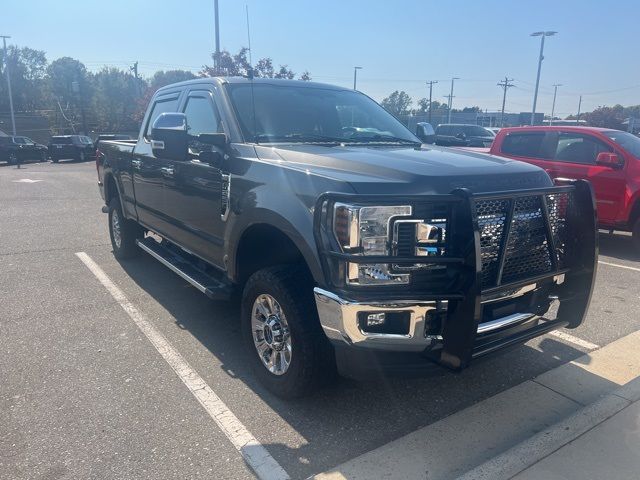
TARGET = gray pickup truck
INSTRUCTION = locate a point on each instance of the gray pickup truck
(353, 247)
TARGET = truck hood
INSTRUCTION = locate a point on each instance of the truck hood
(408, 170)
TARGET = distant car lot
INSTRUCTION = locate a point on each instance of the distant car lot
(86, 394)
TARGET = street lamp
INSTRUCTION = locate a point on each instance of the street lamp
(540, 58)
(355, 76)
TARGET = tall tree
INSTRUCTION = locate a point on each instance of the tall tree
(27, 69)
(397, 103)
(115, 98)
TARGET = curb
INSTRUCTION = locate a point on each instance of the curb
(546, 442)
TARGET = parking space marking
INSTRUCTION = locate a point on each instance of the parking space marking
(619, 266)
(256, 456)
(575, 340)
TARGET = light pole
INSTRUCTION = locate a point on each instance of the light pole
(453, 79)
(6, 71)
(553, 105)
(355, 76)
(578, 115)
(540, 58)
(216, 56)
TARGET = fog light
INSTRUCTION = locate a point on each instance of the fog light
(375, 319)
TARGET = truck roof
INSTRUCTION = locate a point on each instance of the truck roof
(559, 128)
(256, 81)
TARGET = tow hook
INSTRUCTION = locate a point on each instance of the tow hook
(105, 209)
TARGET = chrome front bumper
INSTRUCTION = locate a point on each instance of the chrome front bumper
(339, 320)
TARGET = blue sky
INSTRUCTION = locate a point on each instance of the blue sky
(400, 44)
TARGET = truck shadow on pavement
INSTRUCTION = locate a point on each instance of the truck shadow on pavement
(345, 419)
(618, 245)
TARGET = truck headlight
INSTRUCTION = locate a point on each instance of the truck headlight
(365, 230)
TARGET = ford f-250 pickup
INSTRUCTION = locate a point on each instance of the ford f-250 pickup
(351, 244)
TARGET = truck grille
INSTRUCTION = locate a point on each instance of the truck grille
(527, 250)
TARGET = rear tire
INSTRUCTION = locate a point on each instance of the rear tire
(123, 232)
(279, 316)
(636, 235)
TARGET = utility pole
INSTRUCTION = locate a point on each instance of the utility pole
(430, 83)
(355, 76)
(540, 58)
(6, 71)
(505, 85)
(75, 85)
(134, 69)
(453, 79)
(579, 106)
(216, 56)
(553, 105)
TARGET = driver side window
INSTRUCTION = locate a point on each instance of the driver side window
(201, 117)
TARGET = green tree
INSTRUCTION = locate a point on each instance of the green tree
(606, 117)
(397, 103)
(115, 97)
(27, 69)
(238, 65)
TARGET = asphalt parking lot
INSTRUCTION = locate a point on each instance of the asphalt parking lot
(84, 394)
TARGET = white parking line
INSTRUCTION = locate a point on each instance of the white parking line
(575, 340)
(619, 266)
(262, 463)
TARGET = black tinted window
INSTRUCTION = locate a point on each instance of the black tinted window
(62, 140)
(579, 148)
(161, 106)
(525, 145)
(201, 117)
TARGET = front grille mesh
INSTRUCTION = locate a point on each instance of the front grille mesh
(527, 252)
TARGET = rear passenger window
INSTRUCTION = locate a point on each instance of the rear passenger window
(579, 148)
(161, 106)
(525, 145)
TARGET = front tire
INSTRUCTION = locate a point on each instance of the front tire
(82, 157)
(288, 350)
(12, 158)
(123, 232)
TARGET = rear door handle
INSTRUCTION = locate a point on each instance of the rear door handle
(136, 164)
(167, 171)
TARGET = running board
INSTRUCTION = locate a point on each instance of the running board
(209, 285)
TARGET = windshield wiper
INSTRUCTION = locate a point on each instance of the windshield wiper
(299, 137)
(382, 139)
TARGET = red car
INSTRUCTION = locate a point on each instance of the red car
(609, 159)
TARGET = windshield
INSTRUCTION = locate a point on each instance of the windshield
(626, 140)
(85, 140)
(314, 115)
(473, 131)
(20, 140)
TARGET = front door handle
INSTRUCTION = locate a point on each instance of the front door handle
(167, 171)
(136, 164)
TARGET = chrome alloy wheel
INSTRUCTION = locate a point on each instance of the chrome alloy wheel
(115, 228)
(271, 335)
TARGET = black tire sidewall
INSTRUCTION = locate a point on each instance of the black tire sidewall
(129, 232)
(308, 345)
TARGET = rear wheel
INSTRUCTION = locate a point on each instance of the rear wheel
(123, 232)
(288, 350)
(636, 235)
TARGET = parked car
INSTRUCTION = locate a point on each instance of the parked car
(77, 147)
(21, 149)
(609, 159)
(349, 244)
(460, 135)
(425, 132)
(493, 130)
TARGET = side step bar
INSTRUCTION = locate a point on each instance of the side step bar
(209, 285)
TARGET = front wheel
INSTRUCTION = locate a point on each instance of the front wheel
(12, 158)
(81, 156)
(43, 157)
(288, 350)
(123, 232)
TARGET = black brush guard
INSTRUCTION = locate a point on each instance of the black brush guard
(482, 268)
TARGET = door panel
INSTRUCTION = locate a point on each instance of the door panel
(193, 195)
